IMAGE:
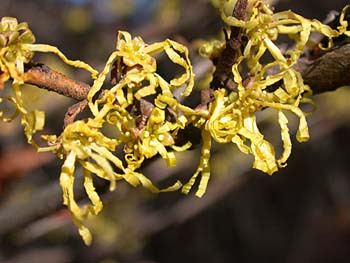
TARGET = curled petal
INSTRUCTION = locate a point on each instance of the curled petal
(67, 184)
(287, 144)
(97, 205)
(4, 111)
(203, 168)
(262, 150)
(56, 51)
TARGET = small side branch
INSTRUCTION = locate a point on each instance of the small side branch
(73, 112)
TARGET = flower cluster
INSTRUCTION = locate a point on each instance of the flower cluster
(142, 136)
(146, 117)
(13, 55)
(232, 113)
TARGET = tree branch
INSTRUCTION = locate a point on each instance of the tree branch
(46, 78)
(328, 72)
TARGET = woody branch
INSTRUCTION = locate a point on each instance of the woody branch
(326, 73)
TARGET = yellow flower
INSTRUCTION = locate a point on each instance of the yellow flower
(83, 141)
(137, 66)
(12, 38)
(231, 115)
(16, 48)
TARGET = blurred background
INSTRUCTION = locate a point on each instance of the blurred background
(300, 214)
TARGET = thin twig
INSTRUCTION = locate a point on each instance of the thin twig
(73, 111)
(222, 77)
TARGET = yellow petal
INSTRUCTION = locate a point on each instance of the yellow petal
(97, 205)
(287, 144)
(203, 167)
(55, 50)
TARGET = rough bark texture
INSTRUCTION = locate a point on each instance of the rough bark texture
(328, 72)
(222, 77)
(44, 77)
